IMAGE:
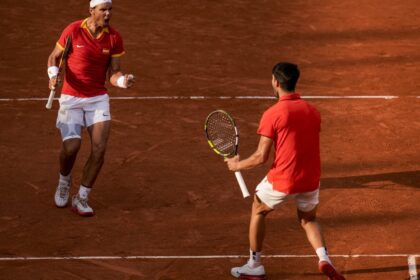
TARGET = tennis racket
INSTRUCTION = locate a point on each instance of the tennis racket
(60, 69)
(223, 138)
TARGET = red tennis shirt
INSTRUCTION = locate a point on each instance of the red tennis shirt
(88, 59)
(294, 126)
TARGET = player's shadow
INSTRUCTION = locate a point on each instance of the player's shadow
(377, 181)
(375, 270)
(368, 270)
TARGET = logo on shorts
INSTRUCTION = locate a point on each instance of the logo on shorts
(105, 114)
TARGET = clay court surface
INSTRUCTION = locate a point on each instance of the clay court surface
(166, 206)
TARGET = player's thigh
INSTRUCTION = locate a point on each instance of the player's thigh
(270, 197)
(70, 123)
(99, 134)
(97, 110)
(307, 204)
(97, 118)
(259, 207)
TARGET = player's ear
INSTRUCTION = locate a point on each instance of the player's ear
(274, 81)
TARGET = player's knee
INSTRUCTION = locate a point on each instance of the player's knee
(98, 151)
(259, 207)
(306, 217)
(69, 131)
(71, 147)
(305, 221)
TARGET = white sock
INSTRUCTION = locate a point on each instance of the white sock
(254, 259)
(65, 179)
(84, 192)
(323, 254)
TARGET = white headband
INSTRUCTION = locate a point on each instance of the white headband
(94, 3)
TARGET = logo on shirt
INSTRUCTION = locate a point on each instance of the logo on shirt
(105, 51)
(79, 46)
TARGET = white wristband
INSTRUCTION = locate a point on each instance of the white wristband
(121, 82)
(52, 71)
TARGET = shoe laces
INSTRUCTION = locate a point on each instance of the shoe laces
(63, 191)
(83, 201)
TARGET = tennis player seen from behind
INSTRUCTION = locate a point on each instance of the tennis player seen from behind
(94, 53)
(292, 126)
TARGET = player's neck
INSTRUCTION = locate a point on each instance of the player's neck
(94, 28)
(281, 93)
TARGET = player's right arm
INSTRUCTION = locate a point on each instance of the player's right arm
(126, 80)
(52, 64)
(260, 156)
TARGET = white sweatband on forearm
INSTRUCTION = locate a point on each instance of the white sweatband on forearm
(94, 3)
(52, 71)
(121, 82)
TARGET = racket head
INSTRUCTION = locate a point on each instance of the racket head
(222, 133)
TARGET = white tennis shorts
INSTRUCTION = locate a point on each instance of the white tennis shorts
(305, 202)
(76, 112)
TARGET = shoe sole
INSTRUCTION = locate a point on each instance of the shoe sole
(252, 277)
(61, 206)
(328, 270)
(64, 206)
(83, 214)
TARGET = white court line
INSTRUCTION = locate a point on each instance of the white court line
(412, 267)
(198, 257)
(387, 97)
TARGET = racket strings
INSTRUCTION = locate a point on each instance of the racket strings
(222, 133)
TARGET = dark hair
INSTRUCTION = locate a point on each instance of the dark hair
(287, 74)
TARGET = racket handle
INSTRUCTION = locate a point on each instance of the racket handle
(50, 99)
(241, 183)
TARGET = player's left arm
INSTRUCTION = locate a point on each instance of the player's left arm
(260, 156)
(53, 64)
(116, 77)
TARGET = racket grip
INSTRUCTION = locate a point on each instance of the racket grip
(50, 99)
(242, 184)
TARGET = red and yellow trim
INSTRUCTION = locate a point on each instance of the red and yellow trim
(118, 54)
(84, 26)
(59, 46)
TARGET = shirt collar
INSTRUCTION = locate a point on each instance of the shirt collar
(290, 96)
(84, 25)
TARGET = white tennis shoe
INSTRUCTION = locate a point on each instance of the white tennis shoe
(80, 206)
(61, 197)
(247, 272)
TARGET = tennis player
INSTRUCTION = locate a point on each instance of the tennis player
(292, 126)
(94, 54)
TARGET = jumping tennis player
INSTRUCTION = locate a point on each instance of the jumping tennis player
(94, 53)
(292, 126)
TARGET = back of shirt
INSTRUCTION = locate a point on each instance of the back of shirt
(294, 126)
